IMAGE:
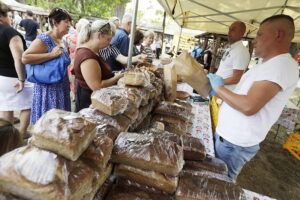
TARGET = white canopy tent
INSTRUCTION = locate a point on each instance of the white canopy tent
(24, 7)
(217, 15)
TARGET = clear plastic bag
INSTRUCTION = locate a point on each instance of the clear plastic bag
(173, 110)
(206, 187)
(32, 173)
(120, 122)
(65, 133)
(154, 179)
(110, 101)
(149, 153)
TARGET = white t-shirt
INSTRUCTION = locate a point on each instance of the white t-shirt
(246, 131)
(237, 57)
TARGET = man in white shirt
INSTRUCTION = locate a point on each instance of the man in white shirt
(248, 112)
(236, 58)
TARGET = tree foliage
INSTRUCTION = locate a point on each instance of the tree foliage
(95, 8)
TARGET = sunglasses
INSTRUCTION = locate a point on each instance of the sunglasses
(105, 28)
(61, 10)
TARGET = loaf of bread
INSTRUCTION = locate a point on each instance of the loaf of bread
(129, 192)
(107, 130)
(154, 179)
(6, 196)
(172, 124)
(65, 133)
(98, 181)
(105, 188)
(173, 110)
(149, 153)
(209, 163)
(134, 95)
(164, 135)
(185, 104)
(32, 173)
(198, 188)
(110, 101)
(120, 122)
(135, 78)
(99, 151)
(132, 113)
(193, 148)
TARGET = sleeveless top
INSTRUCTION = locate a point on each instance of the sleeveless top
(83, 54)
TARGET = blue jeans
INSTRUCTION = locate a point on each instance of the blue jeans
(234, 156)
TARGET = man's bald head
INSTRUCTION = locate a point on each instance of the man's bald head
(282, 22)
(236, 31)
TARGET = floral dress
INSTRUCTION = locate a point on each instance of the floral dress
(49, 96)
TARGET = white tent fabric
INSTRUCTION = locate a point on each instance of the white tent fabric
(23, 7)
(217, 15)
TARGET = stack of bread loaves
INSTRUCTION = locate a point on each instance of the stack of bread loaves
(63, 161)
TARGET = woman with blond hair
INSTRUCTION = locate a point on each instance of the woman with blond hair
(91, 71)
(146, 46)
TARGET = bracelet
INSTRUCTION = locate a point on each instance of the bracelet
(21, 80)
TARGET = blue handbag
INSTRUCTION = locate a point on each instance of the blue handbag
(49, 72)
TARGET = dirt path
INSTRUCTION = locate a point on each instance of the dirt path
(273, 171)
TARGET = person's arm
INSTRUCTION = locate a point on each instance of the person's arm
(235, 78)
(91, 73)
(124, 59)
(258, 95)
(38, 53)
(16, 48)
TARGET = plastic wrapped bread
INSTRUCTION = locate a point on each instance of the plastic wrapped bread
(110, 101)
(149, 153)
(173, 110)
(107, 130)
(193, 148)
(133, 95)
(154, 179)
(185, 104)
(98, 181)
(65, 133)
(99, 151)
(136, 78)
(172, 123)
(32, 173)
(132, 113)
(209, 163)
(105, 188)
(120, 122)
(165, 135)
(6, 196)
(204, 187)
(131, 192)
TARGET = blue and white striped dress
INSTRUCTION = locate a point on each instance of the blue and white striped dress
(48, 96)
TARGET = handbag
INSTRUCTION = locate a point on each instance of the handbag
(49, 72)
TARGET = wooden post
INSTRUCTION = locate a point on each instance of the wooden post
(214, 55)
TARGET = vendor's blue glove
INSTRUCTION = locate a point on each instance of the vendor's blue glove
(215, 81)
(212, 93)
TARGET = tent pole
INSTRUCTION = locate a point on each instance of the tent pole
(133, 25)
(163, 33)
(177, 49)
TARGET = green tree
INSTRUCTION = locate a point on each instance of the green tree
(96, 8)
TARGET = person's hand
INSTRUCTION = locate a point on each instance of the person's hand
(215, 81)
(142, 58)
(19, 85)
(57, 51)
(119, 75)
(212, 93)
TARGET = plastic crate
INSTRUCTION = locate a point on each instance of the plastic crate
(293, 145)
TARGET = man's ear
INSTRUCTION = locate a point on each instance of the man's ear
(281, 34)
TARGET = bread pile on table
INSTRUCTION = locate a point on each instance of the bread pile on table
(128, 127)
(60, 162)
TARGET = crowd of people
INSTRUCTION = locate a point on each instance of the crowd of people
(96, 53)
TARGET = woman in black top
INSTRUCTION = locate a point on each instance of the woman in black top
(16, 94)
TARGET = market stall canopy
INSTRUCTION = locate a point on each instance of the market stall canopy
(217, 15)
(24, 7)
